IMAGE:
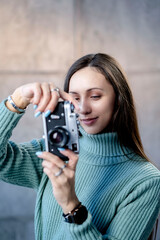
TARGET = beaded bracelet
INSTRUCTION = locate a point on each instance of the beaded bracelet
(15, 106)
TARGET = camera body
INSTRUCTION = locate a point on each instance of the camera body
(61, 129)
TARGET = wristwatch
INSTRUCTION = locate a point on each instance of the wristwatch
(78, 215)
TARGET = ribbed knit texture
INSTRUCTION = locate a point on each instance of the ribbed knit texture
(120, 189)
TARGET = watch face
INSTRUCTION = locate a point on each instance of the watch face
(78, 217)
(70, 219)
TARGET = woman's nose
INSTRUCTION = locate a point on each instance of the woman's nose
(84, 107)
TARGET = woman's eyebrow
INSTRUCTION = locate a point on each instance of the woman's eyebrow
(95, 88)
(72, 92)
(88, 90)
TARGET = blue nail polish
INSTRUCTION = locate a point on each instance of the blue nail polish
(47, 113)
(35, 106)
(38, 153)
(37, 114)
(61, 149)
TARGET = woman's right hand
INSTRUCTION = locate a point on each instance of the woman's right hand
(41, 96)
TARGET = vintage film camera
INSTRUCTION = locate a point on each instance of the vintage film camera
(61, 129)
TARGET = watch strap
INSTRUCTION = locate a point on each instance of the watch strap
(78, 215)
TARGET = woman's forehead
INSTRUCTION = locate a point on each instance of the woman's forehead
(88, 78)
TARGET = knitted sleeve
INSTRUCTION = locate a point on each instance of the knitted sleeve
(134, 218)
(18, 163)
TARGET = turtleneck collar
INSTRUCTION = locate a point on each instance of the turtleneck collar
(105, 147)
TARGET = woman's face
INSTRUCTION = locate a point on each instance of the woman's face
(96, 99)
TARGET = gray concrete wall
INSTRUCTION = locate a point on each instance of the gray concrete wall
(38, 42)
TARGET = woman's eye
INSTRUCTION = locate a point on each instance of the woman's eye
(76, 98)
(95, 96)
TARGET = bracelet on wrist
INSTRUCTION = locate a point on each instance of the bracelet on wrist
(15, 106)
(73, 210)
(78, 215)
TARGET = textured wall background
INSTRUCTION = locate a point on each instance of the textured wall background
(40, 39)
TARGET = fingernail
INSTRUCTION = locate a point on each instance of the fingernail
(35, 106)
(61, 149)
(38, 153)
(37, 114)
(47, 113)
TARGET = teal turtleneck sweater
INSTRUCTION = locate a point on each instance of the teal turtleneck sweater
(120, 189)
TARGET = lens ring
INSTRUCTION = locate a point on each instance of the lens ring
(58, 137)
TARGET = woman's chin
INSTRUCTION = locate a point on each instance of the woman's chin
(91, 130)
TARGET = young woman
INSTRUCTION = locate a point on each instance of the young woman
(111, 190)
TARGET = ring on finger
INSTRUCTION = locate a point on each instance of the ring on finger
(64, 166)
(60, 171)
(55, 90)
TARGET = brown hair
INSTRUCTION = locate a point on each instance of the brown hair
(124, 120)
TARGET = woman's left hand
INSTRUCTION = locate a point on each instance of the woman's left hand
(63, 184)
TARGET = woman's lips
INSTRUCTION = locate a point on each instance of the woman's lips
(89, 121)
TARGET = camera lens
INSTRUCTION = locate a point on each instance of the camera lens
(58, 137)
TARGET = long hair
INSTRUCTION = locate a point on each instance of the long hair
(124, 119)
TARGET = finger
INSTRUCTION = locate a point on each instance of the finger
(37, 94)
(30, 92)
(73, 158)
(52, 167)
(46, 96)
(55, 174)
(48, 164)
(49, 173)
(51, 158)
(53, 102)
(68, 97)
